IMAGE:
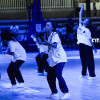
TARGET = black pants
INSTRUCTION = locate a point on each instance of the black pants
(42, 63)
(14, 72)
(56, 72)
(87, 59)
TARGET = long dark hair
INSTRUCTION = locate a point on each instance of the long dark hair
(6, 35)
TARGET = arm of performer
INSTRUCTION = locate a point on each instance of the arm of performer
(51, 44)
(46, 42)
(37, 40)
(34, 38)
(10, 53)
(93, 46)
(10, 49)
(81, 14)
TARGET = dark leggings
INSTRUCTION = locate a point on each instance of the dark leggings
(14, 72)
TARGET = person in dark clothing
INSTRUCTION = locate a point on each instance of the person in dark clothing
(69, 32)
(42, 57)
(94, 8)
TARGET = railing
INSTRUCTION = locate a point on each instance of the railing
(45, 4)
(56, 4)
(12, 4)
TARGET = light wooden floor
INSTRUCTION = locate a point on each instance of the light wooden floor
(37, 87)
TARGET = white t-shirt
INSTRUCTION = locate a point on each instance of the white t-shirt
(42, 48)
(19, 51)
(83, 35)
(56, 55)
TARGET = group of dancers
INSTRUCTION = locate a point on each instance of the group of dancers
(56, 54)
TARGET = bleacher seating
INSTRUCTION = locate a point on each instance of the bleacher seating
(23, 24)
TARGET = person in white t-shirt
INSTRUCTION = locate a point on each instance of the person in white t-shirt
(18, 54)
(58, 58)
(42, 57)
(85, 46)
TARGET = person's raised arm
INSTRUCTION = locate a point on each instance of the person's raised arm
(81, 14)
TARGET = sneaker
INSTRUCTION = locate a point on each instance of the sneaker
(20, 85)
(50, 96)
(54, 96)
(45, 73)
(91, 78)
(83, 76)
(38, 73)
(65, 96)
(41, 74)
(13, 87)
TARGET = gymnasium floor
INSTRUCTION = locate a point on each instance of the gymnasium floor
(36, 87)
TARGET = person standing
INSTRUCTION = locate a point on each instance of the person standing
(85, 46)
(94, 8)
(18, 54)
(69, 32)
(58, 58)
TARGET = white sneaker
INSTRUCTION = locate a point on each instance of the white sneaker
(45, 73)
(39, 73)
(83, 76)
(20, 85)
(50, 96)
(91, 78)
(54, 96)
(65, 96)
(13, 87)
